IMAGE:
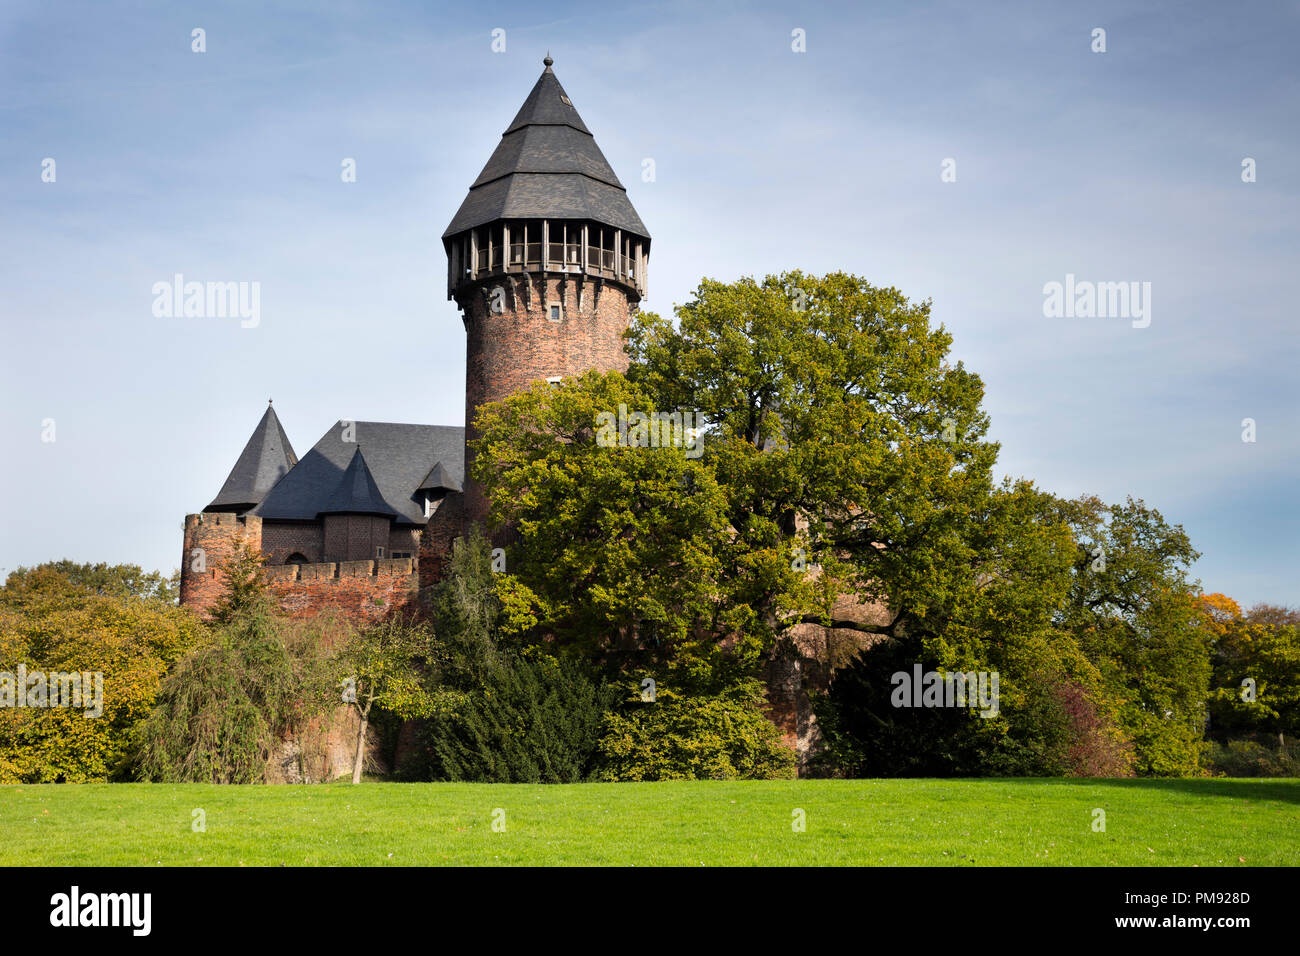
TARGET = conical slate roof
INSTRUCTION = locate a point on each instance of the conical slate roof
(547, 166)
(440, 478)
(398, 456)
(357, 492)
(266, 459)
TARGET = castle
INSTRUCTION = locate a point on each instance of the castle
(547, 261)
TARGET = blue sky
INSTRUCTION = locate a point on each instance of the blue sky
(225, 166)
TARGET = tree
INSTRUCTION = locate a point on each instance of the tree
(387, 664)
(117, 580)
(244, 591)
(1131, 609)
(614, 554)
(836, 428)
(1255, 681)
(837, 436)
(530, 718)
(844, 454)
(257, 679)
(55, 618)
(512, 714)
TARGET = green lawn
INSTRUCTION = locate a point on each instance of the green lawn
(848, 822)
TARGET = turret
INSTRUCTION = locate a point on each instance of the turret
(546, 259)
(266, 458)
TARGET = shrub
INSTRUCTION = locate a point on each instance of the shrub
(257, 679)
(529, 721)
(722, 736)
(1097, 747)
(1250, 758)
(1053, 719)
(866, 736)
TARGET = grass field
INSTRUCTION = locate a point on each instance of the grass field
(852, 822)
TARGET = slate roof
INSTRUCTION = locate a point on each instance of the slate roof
(398, 458)
(440, 479)
(547, 166)
(357, 492)
(266, 459)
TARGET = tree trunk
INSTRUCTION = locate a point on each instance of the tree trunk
(299, 739)
(360, 757)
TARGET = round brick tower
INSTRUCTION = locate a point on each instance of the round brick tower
(546, 259)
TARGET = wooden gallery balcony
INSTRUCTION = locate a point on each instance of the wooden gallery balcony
(544, 245)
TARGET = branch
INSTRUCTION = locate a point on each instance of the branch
(845, 623)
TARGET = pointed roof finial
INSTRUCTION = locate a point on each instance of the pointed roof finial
(548, 62)
(266, 458)
(270, 401)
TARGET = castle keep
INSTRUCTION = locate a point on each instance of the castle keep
(546, 260)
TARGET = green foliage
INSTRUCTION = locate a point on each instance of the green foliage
(257, 678)
(722, 736)
(507, 716)
(529, 720)
(844, 455)
(831, 400)
(244, 593)
(388, 665)
(1132, 611)
(391, 665)
(1102, 657)
(1049, 722)
(64, 617)
(834, 425)
(1262, 645)
(467, 612)
(117, 580)
(615, 552)
(1252, 758)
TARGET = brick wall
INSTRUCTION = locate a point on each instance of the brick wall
(361, 591)
(402, 538)
(444, 527)
(507, 352)
(280, 539)
(209, 542)
(355, 537)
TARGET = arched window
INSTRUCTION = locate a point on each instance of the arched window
(296, 558)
